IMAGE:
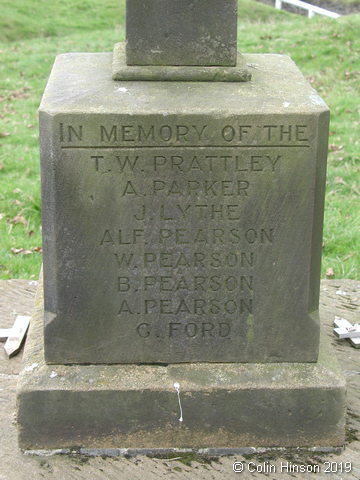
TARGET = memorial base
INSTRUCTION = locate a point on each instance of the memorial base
(224, 406)
(124, 72)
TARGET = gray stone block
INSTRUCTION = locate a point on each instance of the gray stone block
(136, 407)
(182, 221)
(124, 72)
(181, 32)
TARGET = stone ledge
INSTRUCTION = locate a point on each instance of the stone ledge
(136, 406)
(122, 71)
(159, 452)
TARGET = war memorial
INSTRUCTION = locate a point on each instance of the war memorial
(183, 195)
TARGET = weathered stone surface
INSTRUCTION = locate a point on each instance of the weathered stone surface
(122, 71)
(182, 222)
(181, 32)
(16, 466)
(224, 405)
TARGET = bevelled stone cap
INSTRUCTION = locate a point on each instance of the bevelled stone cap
(181, 32)
(122, 71)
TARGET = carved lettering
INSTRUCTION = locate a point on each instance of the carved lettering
(188, 163)
(174, 260)
(210, 188)
(127, 161)
(201, 330)
(124, 259)
(180, 227)
(134, 135)
(180, 134)
(212, 283)
(68, 133)
(189, 306)
(123, 284)
(183, 236)
(122, 237)
(143, 330)
(107, 134)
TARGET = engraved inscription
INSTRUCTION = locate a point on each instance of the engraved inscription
(189, 207)
(185, 163)
(184, 236)
(138, 133)
(70, 133)
(160, 135)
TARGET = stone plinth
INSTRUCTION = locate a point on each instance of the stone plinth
(182, 222)
(124, 72)
(224, 405)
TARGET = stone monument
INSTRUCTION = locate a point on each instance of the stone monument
(182, 225)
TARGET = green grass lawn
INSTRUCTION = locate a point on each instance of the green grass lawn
(327, 52)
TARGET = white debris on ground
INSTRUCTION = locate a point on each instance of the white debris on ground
(344, 329)
(31, 367)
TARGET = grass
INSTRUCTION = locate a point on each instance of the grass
(23, 19)
(325, 50)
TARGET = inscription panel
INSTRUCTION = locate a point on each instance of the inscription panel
(194, 249)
